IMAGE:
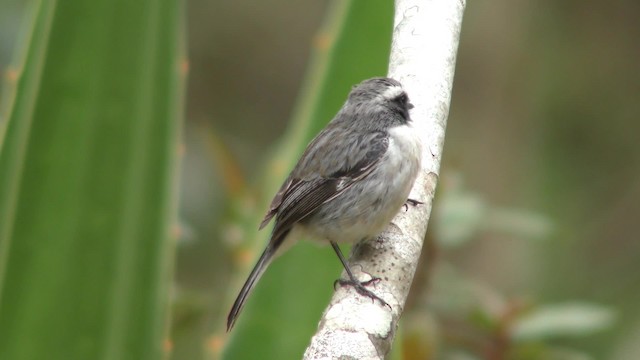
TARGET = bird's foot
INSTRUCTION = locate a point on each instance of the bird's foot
(411, 202)
(359, 286)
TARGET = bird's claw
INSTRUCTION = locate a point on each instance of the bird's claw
(362, 290)
(411, 202)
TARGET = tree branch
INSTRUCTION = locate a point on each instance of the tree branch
(423, 54)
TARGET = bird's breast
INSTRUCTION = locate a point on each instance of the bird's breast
(367, 207)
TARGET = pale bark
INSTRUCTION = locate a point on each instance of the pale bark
(423, 54)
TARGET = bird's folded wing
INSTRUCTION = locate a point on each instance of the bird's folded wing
(300, 197)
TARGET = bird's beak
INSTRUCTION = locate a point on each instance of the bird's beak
(410, 106)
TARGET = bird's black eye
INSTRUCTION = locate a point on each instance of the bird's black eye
(402, 99)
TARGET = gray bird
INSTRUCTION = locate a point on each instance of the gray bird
(351, 180)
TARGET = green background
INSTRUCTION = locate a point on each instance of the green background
(532, 252)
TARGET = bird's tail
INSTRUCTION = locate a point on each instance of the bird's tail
(256, 273)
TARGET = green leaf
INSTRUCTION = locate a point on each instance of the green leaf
(459, 217)
(520, 223)
(556, 353)
(87, 175)
(542, 350)
(459, 355)
(283, 312)
(562, 320)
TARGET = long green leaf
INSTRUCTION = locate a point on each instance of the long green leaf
(87, 172)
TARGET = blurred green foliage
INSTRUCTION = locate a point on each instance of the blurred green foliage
(519, 206)
(87, 180)
(532, 252)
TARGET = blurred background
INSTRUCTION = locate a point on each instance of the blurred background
(533, 250)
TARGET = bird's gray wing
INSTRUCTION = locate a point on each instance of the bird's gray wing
(304, 191)
(300, 197)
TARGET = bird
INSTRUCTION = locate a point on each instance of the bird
(349, 183)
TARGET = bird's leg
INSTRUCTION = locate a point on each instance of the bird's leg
(411, 202)
(359, 286)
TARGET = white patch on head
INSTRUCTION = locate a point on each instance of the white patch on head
(392, 92)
